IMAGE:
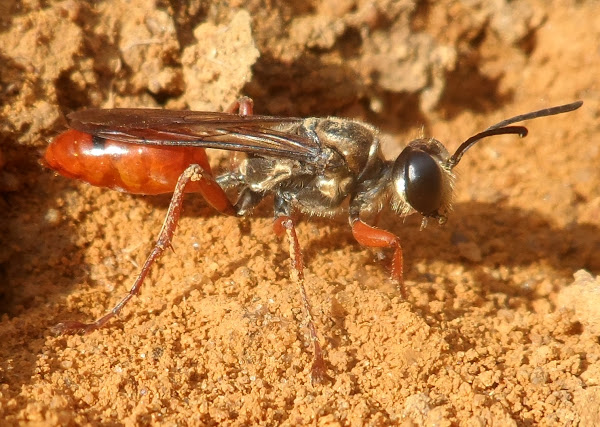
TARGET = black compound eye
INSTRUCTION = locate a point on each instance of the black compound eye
(423, 181)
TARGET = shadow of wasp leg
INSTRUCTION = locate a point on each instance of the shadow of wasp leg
(285, 224)
(374, 237)
(211, 192)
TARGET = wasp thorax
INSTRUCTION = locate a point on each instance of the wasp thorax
(420, 178)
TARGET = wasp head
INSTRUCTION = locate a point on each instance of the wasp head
(422, 177)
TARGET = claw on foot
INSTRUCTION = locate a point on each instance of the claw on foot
(73, 327)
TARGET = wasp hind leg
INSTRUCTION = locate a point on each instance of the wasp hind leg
(213, 194)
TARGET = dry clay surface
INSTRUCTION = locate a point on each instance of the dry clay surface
(502, 321)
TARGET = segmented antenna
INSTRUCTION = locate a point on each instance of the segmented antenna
(502, 128)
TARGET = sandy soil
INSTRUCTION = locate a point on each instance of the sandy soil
(503, 317)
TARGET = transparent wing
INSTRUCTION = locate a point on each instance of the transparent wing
(262, 135)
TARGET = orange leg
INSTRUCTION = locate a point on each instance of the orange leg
(374, 237)
(285, 224)
(211, 192)
(243, 105)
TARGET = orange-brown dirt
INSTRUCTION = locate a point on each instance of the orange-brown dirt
(502, 320)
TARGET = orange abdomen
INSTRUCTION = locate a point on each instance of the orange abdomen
(133, 168)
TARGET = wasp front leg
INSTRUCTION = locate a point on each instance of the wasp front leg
(373, 237)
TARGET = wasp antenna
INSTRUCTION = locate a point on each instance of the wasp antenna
(552, 111)
(508, 130)
(502, 128)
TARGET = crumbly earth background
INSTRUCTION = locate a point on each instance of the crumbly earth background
(502, 322)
